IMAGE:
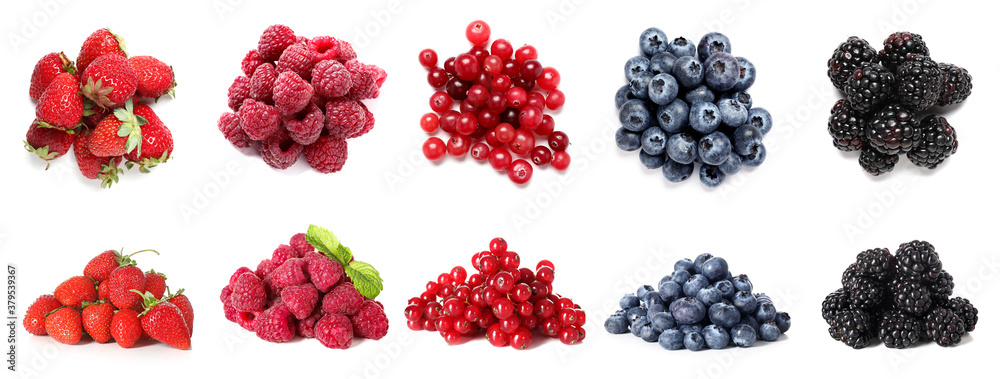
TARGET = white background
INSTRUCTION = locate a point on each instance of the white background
(608, 224)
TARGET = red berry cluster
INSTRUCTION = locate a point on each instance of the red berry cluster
(300, 96)
(499, 109)
(505, 300)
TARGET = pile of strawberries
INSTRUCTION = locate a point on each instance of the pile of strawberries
(300, 96)
(324, 294)
(113, 299)
(98, 107)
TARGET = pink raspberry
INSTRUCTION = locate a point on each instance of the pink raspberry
(298, 59)
(343, 299)
(331, 79)
(262, 83)
(324, 48)
(276, 324)
(238, 91)
(236, 275)
(379, 74)
(250, 62)
(334, 331)
(302, 40)
(300, 244)
(248, 293)
(300, 299)
(231, 313)
(327, 155)
(229, 125)
(323, 271)
(291, 93)
(274, 40)
(290, 273)
(346, 51)
(246, 319)
(362, 82)
(259, 120)
(264, 268)
(306, 326)
(280, 151)
(272, 291)
(370, 322)
(283, 253)
(344, 117)
(369, 123)
(224, 296)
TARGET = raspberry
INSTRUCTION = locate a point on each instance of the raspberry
(223, 297)
(262, 82)
(274, 40)
(343, 299)
(298, 59)
(264, 268)
(346, 52)
(238, 91)
(250, 62)
(305, 127)
(276, 324)
(369, 123)
(327, 155)
(300, 244)
(273, 292)
(344, 117)
(246, 320)
(379, 74)
(334, 331)
(248, 293)
(291, 93)
(229, 125)
(231, 313)
(290, 273)
(323, 48)
(362, 82)
(331, 79)
(323, 271)
(259, 120)
(300, 299)
(280, 151)
(282, 254)
(370, 321)
(236, 275)
(306, 326)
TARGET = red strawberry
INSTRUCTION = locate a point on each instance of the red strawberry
(93, 113)
(34, 319)
(100, 42)
(64, 325)
(99, 268)
(93, 167)
(125, 327)
(184, 304)
(97, 320)
(109, 81)
(47, 143)
(47, 68)
(164, 322)
(156, 283)
(61, 105)
(155, 77)
(103, 293)
(118, 133)
(157, 142)
(76, 290)
(121, 284)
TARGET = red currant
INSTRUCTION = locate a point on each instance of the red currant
(538, 290)
(489, 265)
(429, 325)
(428, 297)
(521, 338)
(555, 100)
(525, 53)
(564, 303)
(520, 293)
(458, 145)
(527, 276)
(569, 335)
(530, 117)
(446, 291)
(519, 171)
(475, 280)
(444, 323)
(504, 282)
(581, 318)
(466, 124)
(510, 324)
(433, 310)
(491, 295)
(454, 307)
(472, 313)
(499, 158)
(517, 97)
(416, 301)
(437, 77)
(531, 69)
(525, 309)
(459, 274)
(462, 292)
(544, 263)
(502, 48)
(429, 122)
(476, 297)
(544, 308)
(452, 337)
(440, 101)
(413, 313)
(545, 274)
(496, 336)
(462, 326)
(529, 322)
(523, 142)
(549, 80)
(541, 156)
(582, 332)
(500, 83)
(503, 308)
(466, 67)
(493, 65)
(434, 148)
(428, 58)
(551, 327)
(567, 316)
(415, 325)
(560, 160)
(444, 280)
(478, 32)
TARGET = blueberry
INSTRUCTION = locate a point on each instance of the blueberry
(690, 328)
(741, 97)
(730, 167)
(715, 336)
(783, 320)
(700, 261)
(704, 117)
(629, 301)
(688, 71)
(624, 94)
(746, 138)
(748, 74)
(634, 314)
(745, 302)
(635, 66)
(671, 339)
(756, 157)
(654, 140)
(649, 334)
(714, 148)
(638, 324)
(694, 341)
(668, 278)
(715, 269)
(699, 94)
(634, 115)
(760, 118)
(724, 315)
(743, 335)
(643, 290)
(616, 324)
(694, 283)
(765, 312)
(722, 72)
(682, 148)
(673, 117)
(769, 331)
(662, 321)
(628, 140)
(654, 309)
(711, 176)
(640, 85)
(684, 265)
(732, 112)
(652, 41)
(681, 276)
(663, 89)
(712, 43)
(662, 63)
(742, 283)
(651, 161)
(687, 310)
(670, 291)
(749, 321)
(681, 47)
(726, 288)
(677, 172)
(652, 298)
(709, 295)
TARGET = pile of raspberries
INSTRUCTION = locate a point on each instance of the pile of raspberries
(299, 291)
(300, 95)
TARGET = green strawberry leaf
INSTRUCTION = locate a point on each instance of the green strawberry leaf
(365, 278)
(325, 242)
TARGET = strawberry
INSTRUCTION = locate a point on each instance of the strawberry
(47, 143)
(157, 142)
(99, 268)
(156, 283)
(125, 327)
(100, 42)
(34, 319)
(118, 133)
(64, 325)
(61, 105)
(93, 113)
(47, 68)
(93, 167)
(103, 293)
(123, 281)
(75, 291)
(184, 304)
(155, 77)
(164, 322)
(109, 81)
(97, 320)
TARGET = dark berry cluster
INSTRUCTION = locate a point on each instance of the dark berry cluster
(701, 304)
(501, 106)
(687, 103)
(884, 91)
(900, 299)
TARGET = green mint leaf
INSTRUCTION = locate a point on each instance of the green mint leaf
(365, 278)
(325, 242)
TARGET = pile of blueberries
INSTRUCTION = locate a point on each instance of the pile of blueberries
(700, 305)
(687, 104)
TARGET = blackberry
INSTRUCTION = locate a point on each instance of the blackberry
(898, 46)
(835, 302)
(850, 274)
(876, 163)
(847, 58)
(941, 288)
(910, 296)
(944, 327)
(893, 129)
(956, 85)
(917, 259)
(866, 293)
(870, 86)
(919, 82)
(854, 328)
(846, 126)
(898, 330)
(964, 310)
(938, 141)
(877, 263)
